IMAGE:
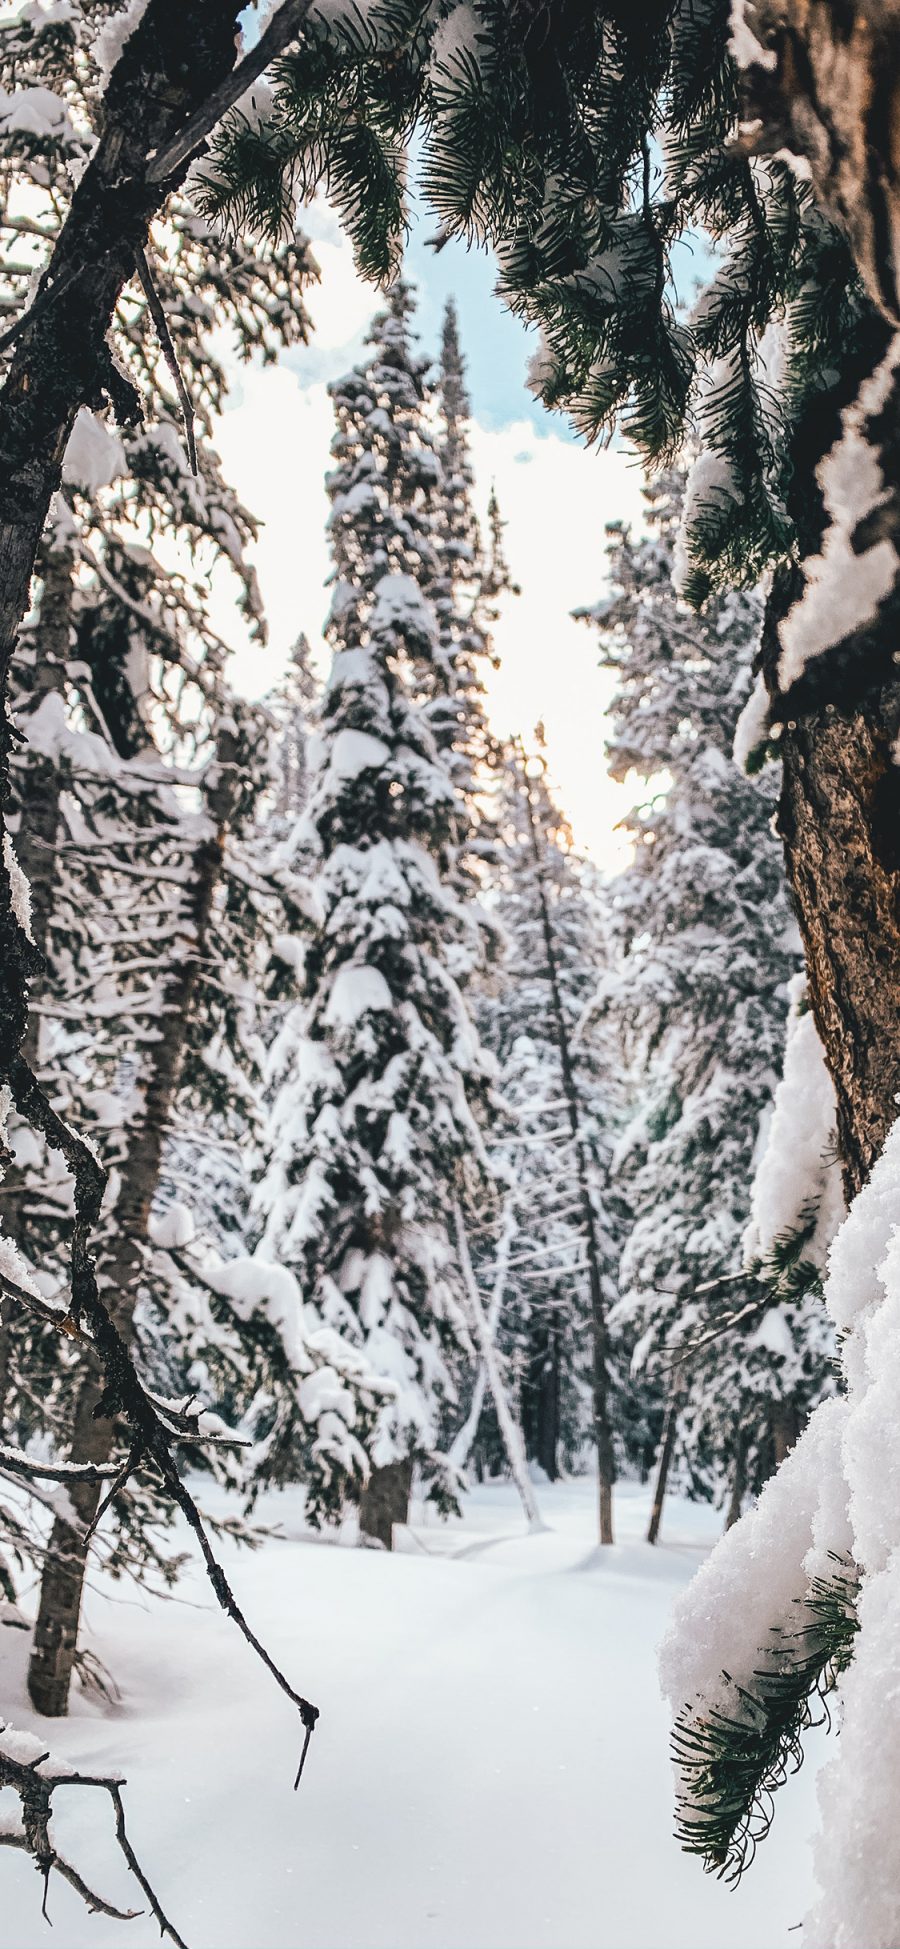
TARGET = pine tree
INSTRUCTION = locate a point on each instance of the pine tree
(371, 1130)
(543, 132)
(551, 1267)
(700, 1000)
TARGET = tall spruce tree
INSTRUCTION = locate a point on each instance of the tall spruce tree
(551, 1268)
(700, 1000)
(371, 1129)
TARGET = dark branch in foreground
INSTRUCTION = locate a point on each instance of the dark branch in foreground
(35, 1791)
(124, 1392)
(161, 325)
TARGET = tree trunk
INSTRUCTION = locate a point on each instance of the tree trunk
(666, 1451)
(464, 1441)
(94, 1434)
(385, 1501)
(172, 62)
(783, 1422)
(839, 819)
(830, 92)
(738, 1479)
(35, 846)
(606, 1468)
(543, 1396)
(509, 1428)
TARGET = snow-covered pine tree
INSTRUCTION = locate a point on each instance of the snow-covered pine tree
(467, 583)
(700, 998)
(371, 1131)
(121, 699)
(584, 151)
(550, 1267)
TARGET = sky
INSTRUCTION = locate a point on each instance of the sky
(554, 494)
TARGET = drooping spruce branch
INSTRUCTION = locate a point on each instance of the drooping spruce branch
(731, 1763)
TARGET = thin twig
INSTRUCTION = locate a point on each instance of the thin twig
(157, 313)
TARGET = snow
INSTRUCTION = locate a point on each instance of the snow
(711, 479)
(94, 457)
(842, 588)
(760, 1568)
(49, 733)
(36, 112)
(752, 728)
(114, 33)
(19, 889)
(490, 1768)
(171, 1230)
(743, 39)
(400, 604)
(356, 990)
(798, 1172)
(352, 752)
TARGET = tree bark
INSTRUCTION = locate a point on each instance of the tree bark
(61, 361)
(666, 1452)
(94, 1433)
(385, 1501)
(606, 1467)
(738, 1479)
(783, 1423)
(464, 1441)
(38, 798)
(831, 94)
(839, 819)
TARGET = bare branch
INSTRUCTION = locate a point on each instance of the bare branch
(157, 313)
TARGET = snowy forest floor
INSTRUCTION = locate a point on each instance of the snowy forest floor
(490, 1769)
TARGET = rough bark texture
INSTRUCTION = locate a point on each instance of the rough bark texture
(833, 97)
(738, 1480)
(385, 1501)
(38, 797)
(93, 1433)
(839, 819)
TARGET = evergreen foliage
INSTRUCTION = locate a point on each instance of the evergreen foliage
(731, 1763)
(699, 999)
(544, 1305)
(588, 149)
(371, 1126)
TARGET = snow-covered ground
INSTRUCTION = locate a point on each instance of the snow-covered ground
(490, 1769)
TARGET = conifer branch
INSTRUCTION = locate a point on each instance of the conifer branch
(732, 1762)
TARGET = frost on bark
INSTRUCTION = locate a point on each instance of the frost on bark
(826, 86)
(823, 82)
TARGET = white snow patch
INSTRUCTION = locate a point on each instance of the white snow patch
(356, 990)
(117, 30)
(752, 728)
(353, 752)
(798, 1171)
(20, 891)
(94, 457)
(172, 1229)
(843, 589)
(743, 38)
